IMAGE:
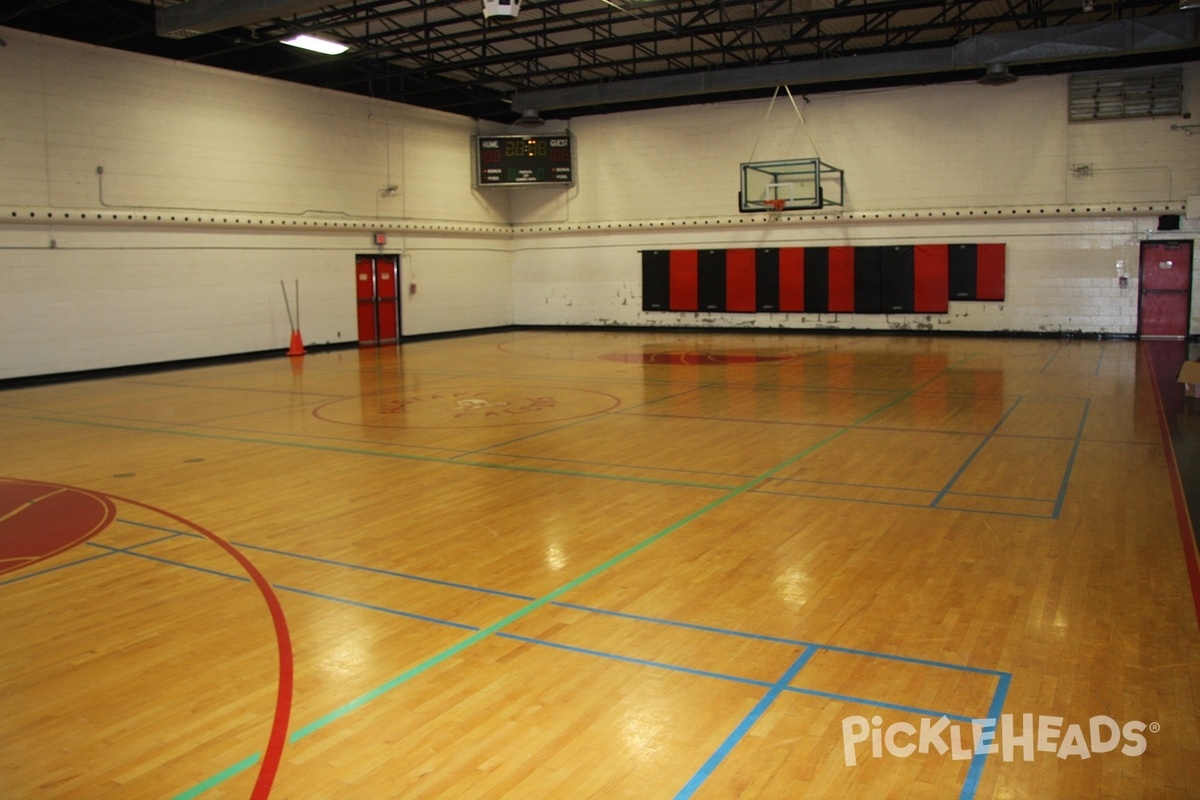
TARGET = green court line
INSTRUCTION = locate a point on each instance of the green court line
(219, 778)
(484, 633)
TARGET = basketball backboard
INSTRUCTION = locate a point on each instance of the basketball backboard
(789, 185)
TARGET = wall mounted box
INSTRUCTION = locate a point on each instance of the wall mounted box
(1189, 376)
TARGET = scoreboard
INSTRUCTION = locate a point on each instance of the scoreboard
(524, 160)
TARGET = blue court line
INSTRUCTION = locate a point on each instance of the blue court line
(966, 464)
(813, 647)
(971, 784)
(993, 512)
(644, 662)
(738, 733)
(863, 701)
(358, 451)
(386, 572)
(1062, 489)
(641, 662)
(557, 603)
(1050, 361)
(777, 639)
(24, 576)
(900, 504)
(110, 551)
(372, 607)
(290, 589)
(810, 649)
(601, 568)
(345, 564)
(843, 484)
(181, 564)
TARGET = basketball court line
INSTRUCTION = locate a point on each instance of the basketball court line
(482, 452)
(521, 597)
(974, 453)
(277, 738)
(380, 453)
(811, 648)
(761, 478)
(999, 698)
(775, 689)
(743, 727)
(1183, 515)
(502, 623)
(1062, 489)
(1095, 371)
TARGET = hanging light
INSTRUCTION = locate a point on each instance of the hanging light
(530, 119)
(997, 74)
(326, 46)
(503, 9)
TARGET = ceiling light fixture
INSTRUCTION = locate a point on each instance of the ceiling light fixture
(501, 9)
(997, 74)
(325, 46)
(530, 119)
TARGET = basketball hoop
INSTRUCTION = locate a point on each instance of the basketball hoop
(774, 208)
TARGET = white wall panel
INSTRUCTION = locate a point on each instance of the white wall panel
(215, 186)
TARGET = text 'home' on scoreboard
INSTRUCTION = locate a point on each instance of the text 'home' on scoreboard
(524, 160)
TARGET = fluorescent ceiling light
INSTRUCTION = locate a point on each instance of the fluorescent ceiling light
(318, 45)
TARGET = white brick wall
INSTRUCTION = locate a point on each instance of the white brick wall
(216, 186)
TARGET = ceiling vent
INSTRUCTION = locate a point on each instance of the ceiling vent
(1125, 95)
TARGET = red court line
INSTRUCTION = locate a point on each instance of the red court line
(1186, 533)
(283, 697)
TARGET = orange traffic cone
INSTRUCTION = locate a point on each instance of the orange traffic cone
(297, 346)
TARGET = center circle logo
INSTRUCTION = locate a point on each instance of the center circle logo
(478, 407)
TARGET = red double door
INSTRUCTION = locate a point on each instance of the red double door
(1164, 308)
(377, 280)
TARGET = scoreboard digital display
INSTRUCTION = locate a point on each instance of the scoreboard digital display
(524, 160)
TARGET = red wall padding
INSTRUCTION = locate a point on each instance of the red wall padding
(989, 265)
(685, 281)
(931, 278)
(740, 269)
(791, 279)
(741, 272)
(841, 279)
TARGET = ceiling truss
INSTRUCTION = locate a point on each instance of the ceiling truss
(444, 54)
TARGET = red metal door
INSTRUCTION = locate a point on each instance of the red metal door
(377, 281)
(364, 283)
(387, 272)
(1165, 305)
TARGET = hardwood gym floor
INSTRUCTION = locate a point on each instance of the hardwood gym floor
(543, 564)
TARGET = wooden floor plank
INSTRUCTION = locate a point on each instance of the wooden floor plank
(607, 564)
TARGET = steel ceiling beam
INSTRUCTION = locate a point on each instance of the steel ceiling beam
(1074, 42)
(197, 17)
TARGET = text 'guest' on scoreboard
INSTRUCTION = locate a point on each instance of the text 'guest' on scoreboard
(524, 160)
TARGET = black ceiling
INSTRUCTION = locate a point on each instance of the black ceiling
(444, 54)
